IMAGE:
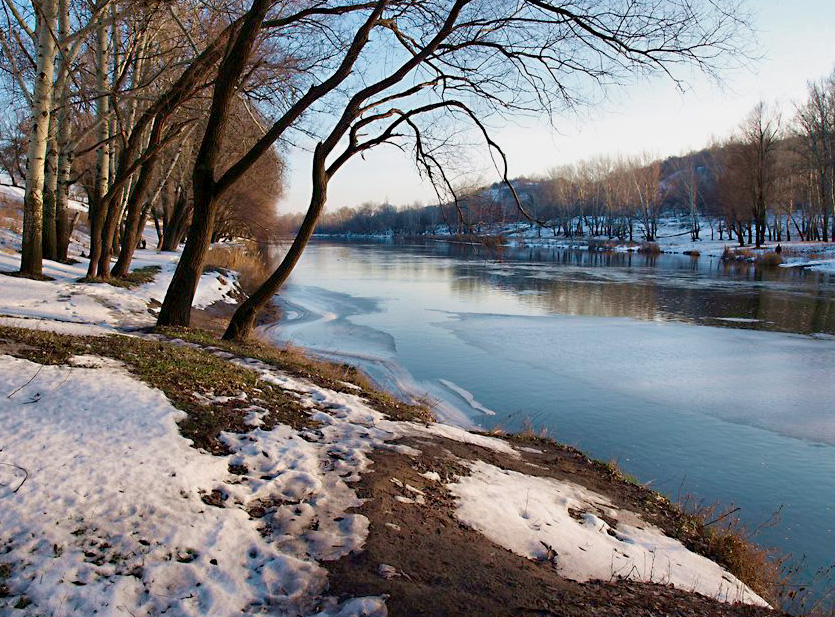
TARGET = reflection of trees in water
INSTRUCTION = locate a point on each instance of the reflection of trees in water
(611, 284)
(581, 292)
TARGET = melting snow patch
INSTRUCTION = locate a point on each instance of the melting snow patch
(411, 429)
(546, 519)
(102, 510)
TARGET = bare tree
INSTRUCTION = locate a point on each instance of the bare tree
(530, 56)
(646, 180)
(31, 263)
(815, 125)
(753, 161)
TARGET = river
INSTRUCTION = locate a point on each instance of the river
(703, 379)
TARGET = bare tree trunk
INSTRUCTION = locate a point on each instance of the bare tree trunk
(176, 308)
(31, 262)
(98, 205)
(135, 203)
(50, 191)
(176, 223)
(63, 225)
(244, 319)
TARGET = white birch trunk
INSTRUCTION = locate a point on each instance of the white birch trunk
(31, 262)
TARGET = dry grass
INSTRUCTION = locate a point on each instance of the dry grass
(247, 261)
(11, 216)
(737, 254)
(339, 377)
(650, 248)
(727, 541)
(769, 260)
(596, 244)
(179, 371)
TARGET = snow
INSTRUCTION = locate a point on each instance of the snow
(110, 516)
(550, 520)
(66, 301)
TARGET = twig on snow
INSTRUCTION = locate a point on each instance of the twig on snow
(40, 368)
(25, 474)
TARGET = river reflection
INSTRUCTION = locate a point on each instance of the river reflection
(701, 290)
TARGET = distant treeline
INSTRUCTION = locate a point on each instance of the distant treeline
(771, 180)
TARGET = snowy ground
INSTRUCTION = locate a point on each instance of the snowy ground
(102, 499)
(66, 301)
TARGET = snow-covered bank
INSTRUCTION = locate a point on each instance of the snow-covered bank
(107, 507)
(580, 531)
(67, 301)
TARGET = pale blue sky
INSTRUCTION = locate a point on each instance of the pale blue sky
(797, 44)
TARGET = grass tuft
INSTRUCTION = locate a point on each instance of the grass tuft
(136, 278)
(722, 537)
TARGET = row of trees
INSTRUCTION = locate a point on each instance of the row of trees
(112, 115)
(770, 180)
(154, 92)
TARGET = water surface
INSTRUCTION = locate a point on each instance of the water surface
(701, 378)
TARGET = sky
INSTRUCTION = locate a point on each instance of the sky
(795, 44)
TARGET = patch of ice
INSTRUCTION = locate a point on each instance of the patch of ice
(411, 429)
(467, 396)
(432, 475)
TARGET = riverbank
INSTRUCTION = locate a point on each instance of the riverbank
(673, 238)
(170, 472)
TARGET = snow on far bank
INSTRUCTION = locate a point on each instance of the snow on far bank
(674, 237)
(549, 520)
(102, 510)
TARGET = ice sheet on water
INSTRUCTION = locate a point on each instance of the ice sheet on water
(786, 378)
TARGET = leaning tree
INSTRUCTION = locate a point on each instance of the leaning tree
(406, 72)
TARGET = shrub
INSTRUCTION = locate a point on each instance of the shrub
(601, 245)
(247, 261)
(650, 248)
(770, 260)
(726, 541)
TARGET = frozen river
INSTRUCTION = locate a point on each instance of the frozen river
(704, 380)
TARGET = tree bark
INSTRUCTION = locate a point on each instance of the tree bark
(31, 263)
(176, 308)
(243, 321)
(99, 206)
(50, 191)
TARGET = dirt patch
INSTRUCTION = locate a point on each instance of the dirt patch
(429, 564)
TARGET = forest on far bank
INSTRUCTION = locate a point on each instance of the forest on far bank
(772, 180)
